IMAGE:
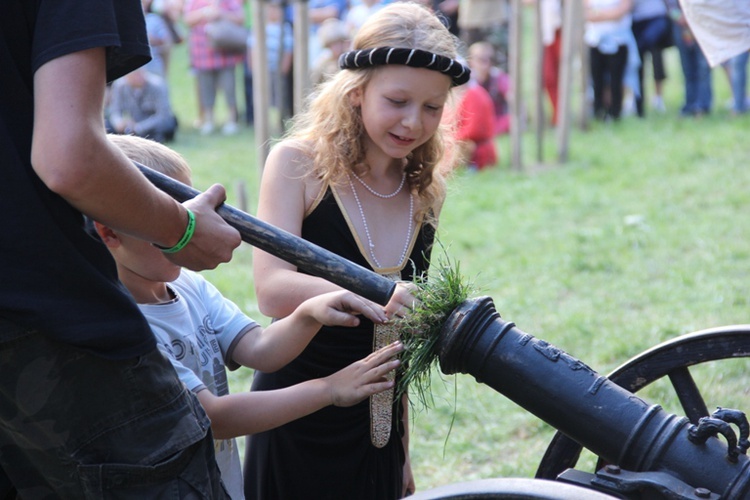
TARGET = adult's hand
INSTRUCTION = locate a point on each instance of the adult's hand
(214, 240)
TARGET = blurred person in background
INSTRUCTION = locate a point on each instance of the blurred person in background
(652, 29)
(475, 122)
(607, 34)
(335, 39)
(485, 21)
(494, 80)
(215, 69)
(279, 56)
(695, 68)
(739, 83)
(139, 105)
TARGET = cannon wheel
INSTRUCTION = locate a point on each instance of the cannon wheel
(669, 359)
(510, 488)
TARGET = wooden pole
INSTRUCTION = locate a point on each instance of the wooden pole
(301, 53)
(539, 81)
(241, 193)
(571, 9)
(261, 83)
(516, 101)
(278, 78)
(583, 53)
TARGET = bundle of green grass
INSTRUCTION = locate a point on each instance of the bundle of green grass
(438, 294)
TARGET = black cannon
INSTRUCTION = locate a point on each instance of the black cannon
(644, 452)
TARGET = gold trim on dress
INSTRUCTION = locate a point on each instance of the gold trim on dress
(381, 404)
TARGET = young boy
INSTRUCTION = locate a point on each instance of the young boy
(203, 333)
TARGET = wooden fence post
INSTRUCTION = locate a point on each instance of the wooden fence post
(571, 10)
(539, 81)
(516, 101)
(261, 83)
(301, 53)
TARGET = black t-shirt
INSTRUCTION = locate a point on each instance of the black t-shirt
(54, 277)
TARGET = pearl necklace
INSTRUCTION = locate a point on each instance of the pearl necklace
(367, 229)
(379, 195)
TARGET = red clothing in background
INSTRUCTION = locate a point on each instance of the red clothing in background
(476, 124)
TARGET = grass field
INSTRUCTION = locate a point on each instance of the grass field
(643, 235)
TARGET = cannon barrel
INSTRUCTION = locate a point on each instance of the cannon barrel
(307, 256)
(610, 421)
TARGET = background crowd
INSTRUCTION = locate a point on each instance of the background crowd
(622, 37)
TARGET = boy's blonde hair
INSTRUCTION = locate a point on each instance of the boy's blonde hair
(154, 155)
(331, 129)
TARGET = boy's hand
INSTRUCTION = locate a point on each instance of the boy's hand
(214, 240)
(402, 301)
(342, 308)
(365, 377)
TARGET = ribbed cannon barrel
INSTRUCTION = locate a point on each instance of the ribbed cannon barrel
(615, 424)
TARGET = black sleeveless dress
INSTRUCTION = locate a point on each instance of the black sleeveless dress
(328, 454)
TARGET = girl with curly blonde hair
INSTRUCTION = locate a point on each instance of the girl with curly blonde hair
(360, 173)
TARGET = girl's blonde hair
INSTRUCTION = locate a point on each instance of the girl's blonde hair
(330, 129)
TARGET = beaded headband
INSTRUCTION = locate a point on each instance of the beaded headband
(415, 58)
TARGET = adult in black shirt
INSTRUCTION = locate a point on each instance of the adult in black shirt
(87, 404)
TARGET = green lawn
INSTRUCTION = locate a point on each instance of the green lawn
(642, 236)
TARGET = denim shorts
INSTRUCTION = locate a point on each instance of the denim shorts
(76, 425)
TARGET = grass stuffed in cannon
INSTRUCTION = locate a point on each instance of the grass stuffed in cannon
(643, 452)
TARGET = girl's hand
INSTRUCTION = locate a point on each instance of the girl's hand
(402, 301)
(365, 377)
(341, 309)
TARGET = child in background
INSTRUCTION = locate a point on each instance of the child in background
(202, 333)
(494, 80)
(335, 40)
(139, 104)
(359, 174)
(475, 127)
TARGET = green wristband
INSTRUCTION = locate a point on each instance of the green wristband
(189, 232)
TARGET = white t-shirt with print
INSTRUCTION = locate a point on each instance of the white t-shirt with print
(198, 331)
